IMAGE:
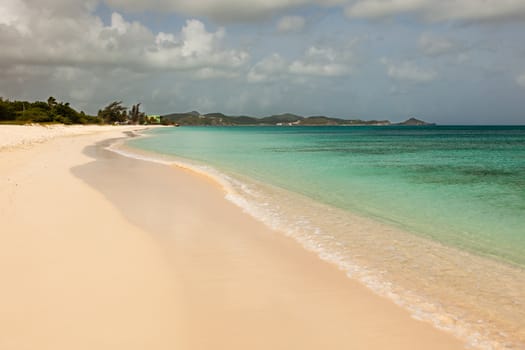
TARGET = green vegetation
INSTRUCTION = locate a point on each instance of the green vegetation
(113, 113)
(52, 111)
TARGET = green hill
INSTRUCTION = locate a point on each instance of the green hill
(219, 119)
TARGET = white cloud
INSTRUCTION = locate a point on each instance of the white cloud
(33, 35)
(316, 62)
(408, 71)
(291, 24)
(222, 10)
(268, 69)
(194, 48)
(70, 53)
(11, 16)
(196, 40)
(444, 10)
(435, 46)
(322, 61)
(520, 80)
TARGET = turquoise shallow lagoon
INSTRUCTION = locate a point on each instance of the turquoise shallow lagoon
(431, 217)
(463, 186)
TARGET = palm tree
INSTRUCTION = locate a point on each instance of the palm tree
(51, 102)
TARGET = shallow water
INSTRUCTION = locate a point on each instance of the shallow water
(432, 217)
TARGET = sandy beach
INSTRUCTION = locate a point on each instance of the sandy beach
(101, 251)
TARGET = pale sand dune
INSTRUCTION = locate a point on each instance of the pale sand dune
(123, 254)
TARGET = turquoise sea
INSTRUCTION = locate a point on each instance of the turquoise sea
(401, 208)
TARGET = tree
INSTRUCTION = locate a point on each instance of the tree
(37, 115)
(6, 110)
(136, 116)
(63, 113)
(40, 104)
(51, 102)
(113, 113)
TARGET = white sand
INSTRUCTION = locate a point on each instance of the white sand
(13, 136)
(124, 254)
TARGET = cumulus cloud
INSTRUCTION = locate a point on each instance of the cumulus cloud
(324, 61)
(435, 46)
(520, 80)
(291, 24)
(195, 47)
(32, 35)
(71, 53)
(444, 10)
(316, 62)
(268, 69)
(408, 71)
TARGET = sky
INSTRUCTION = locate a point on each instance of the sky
(447, 61)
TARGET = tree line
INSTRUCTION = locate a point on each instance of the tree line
(53, 111)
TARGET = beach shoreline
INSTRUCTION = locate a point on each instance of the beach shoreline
(163, 260)
(433, 281)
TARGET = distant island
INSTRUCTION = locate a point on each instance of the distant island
(414, 122)
(194, 118)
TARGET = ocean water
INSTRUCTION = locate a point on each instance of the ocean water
(431, 217)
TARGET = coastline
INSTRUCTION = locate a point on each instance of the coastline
(239, 271)
(168, 262)
(434, 282)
